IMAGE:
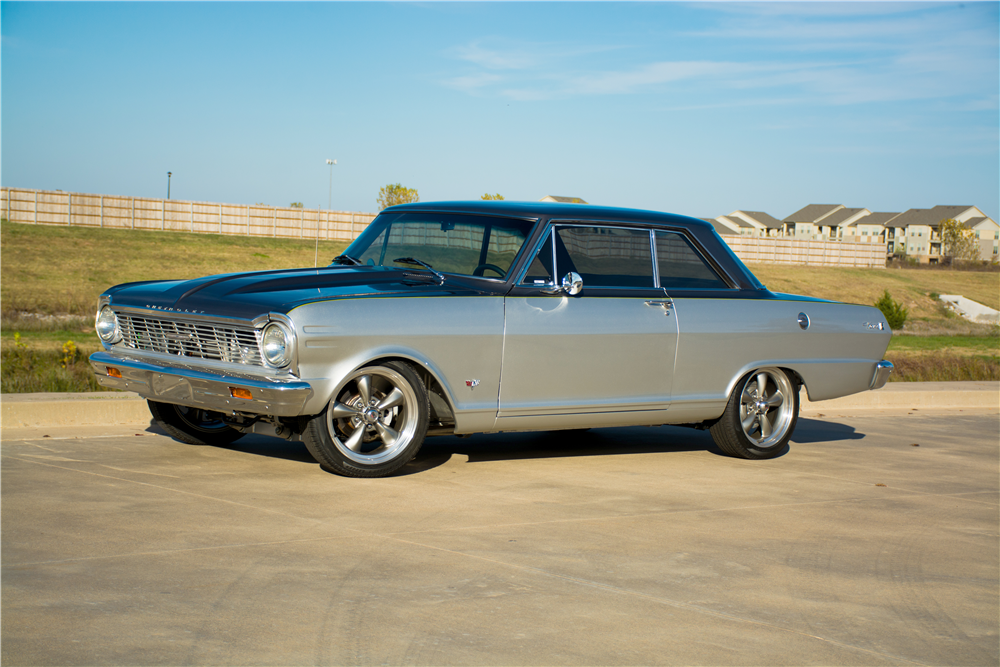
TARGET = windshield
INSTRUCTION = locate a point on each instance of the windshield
(468, 245)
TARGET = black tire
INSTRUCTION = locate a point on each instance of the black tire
(193, 425)
(374, 425)
(760, 416)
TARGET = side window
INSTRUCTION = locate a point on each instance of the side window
(681, 267)
(540, 269)
(605, 256)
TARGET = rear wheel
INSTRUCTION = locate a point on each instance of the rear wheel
(193, 425)
(375, 424)
(760, 416)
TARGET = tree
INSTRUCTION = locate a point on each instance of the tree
(391, 195)
(296, 204)
(895, 314)
(489, 197)
(958, 241)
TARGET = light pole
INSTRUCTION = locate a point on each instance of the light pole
(329, 206)
(329, 203)
(168, 184)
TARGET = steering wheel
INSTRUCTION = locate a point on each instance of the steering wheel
(481, 269)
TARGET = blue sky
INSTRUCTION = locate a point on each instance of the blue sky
(694, 108)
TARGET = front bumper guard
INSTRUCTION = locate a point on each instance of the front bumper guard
(200, 389)
(882, 371)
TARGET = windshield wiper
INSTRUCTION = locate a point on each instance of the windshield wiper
(346, 259)
(411, 260)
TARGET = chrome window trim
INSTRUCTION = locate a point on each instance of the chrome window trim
(584, 223)
(549, 232)
(498, 216)
(545, 236)
(656, 261)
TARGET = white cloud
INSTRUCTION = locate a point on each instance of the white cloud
(857, 53)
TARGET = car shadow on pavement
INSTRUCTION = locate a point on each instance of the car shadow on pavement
(258, 445)
(562, 444)
(817, 430)
(484, 447)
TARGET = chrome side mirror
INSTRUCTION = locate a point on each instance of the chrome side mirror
(572, 283)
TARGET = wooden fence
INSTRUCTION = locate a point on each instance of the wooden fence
(75, 209)
(764, 250)
(47, 207)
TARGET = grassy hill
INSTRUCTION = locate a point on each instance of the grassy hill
(50, 278)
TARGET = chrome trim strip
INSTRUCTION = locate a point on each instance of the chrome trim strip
(198, 364)
(656, 260)
(198, 389)
(168, 314)
(882, 371)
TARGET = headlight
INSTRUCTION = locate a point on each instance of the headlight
(276, 345)
(107, 325)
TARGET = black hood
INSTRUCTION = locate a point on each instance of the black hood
(247, 295)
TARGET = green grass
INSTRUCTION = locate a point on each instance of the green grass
(989, 345)
(35, 368)
(49, 269)
(61, 271)
(917, 290)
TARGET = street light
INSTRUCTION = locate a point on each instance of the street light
(329, 203)
(168, 184)
(329, 206)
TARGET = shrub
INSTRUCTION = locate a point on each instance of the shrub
(894, 312)
(29, 369)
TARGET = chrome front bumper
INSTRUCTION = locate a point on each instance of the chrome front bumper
(882, 371)
(200, 389)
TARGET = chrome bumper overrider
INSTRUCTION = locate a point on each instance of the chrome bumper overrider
(881, 376)
(199, 389)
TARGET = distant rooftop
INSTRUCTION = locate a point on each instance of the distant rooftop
(813, 212)
(563, 200)
(768, 221)
(840, 216)
(930, 217)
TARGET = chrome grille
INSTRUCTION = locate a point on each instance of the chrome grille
(184, 338)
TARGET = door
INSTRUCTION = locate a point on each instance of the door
(604, 356)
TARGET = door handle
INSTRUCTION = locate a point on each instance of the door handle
(662, 304)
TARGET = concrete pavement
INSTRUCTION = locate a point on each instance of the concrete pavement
(873, 540)
(98, 408)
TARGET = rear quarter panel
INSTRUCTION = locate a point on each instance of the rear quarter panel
(720, 340)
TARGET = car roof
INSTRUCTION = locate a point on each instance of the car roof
(522, 209)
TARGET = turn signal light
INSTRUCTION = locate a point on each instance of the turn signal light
(240, 393)
(114, 372)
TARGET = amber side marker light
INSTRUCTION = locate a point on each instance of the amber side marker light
(240, 393)
(114, 372)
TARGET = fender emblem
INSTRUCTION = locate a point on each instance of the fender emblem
(472, 384)
(874, 326)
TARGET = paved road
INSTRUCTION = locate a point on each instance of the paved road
(621, 546)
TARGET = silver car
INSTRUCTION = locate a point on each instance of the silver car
(479, 317)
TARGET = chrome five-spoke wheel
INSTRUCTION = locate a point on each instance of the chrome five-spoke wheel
(374, 425)
(760, 416)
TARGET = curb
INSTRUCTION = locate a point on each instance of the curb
(108, 408)
(910, 395)
(72, 409)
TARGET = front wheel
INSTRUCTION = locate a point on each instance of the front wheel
(374, 425)
(760, 416)
(193, 425)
